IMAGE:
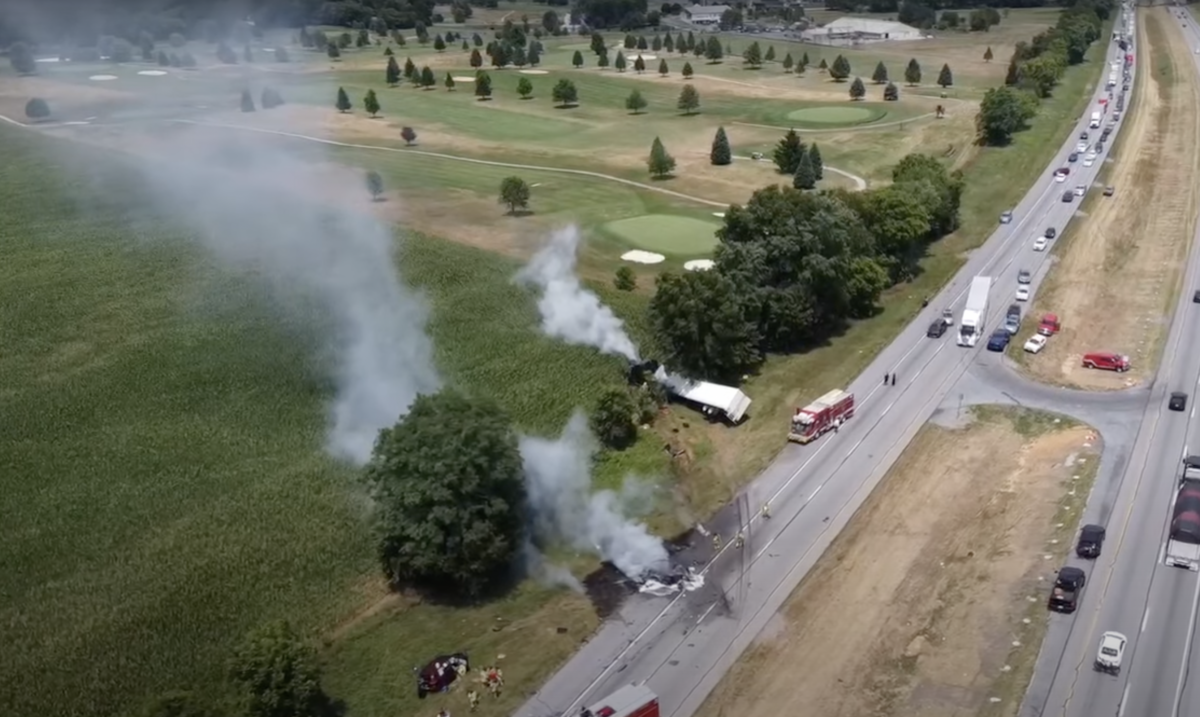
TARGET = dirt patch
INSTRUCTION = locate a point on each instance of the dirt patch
(1120, 266)
(913, 609)
(65, 100)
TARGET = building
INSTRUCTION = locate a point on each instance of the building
(855, 30)
(705, 14)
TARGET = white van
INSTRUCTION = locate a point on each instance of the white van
(1095, 123)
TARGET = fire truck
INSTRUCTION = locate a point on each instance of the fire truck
(827, 413)
(629, 701)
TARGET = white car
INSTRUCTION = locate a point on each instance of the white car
(1082, 146)
(1112, 650)
(1022, 293)
(1035, 343)
(1039, 244)
(1080, 190)
(1060, 177)
(1089, 159)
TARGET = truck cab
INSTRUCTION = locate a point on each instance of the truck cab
(1064, 596)
(1049, 325)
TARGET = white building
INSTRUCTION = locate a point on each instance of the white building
(851, 30)
(705, 14)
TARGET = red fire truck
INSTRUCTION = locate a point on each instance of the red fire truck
(826, 413)
(629, 701)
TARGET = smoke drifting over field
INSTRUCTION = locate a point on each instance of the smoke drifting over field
(569, 311)
(262, 211)
(559, 483)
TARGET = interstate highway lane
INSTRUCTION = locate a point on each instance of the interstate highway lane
(683, 645)
(1133, 592)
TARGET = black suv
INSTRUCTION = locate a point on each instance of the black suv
(936, 329)
(1091, 539)
(1051, 232)
(1064, 597)
(1178, 401)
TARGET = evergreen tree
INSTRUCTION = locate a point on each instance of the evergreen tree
(713, 51)
(669, 42)
(857, 89)
(387, 52)
(449, 82)
(635, 103)
(630, 42)
(602, 59)
(662, 67)
(823, 65)
(912, 73)
(428, 79)
(393, 72)
(483, 85)
(891, 93)
(687, 70)
(753, 56)
(332, 51)
(577, 60)
(804, 60)
(439, 44)
(804, 177)
(818, 165)
(840, 70)
(881, 74)
(770, 56)
(689, 100)
(641, 43)
(619, 63)
(721, 154)
(661, 164)
(524, 88)
(788, 152)
(987, 54)
(371, 103)
(1013, 76)
(247, 101)
(409, 68)
(639, 65)
(788, 62)
(343, 100)
(945, 78)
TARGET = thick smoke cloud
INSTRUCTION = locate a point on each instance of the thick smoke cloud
(301, 228)
(569, 311)
(559, 484)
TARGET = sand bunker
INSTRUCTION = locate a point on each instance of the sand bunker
(47, 59)
(638, 256)
(102, 78)
(463, 78)
(151, 73)
(647, 58)
(719, 215)
(698, 265)
(75, 122)
(534, 72)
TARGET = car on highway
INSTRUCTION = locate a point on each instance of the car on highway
(1068, 197)
(1024, 277)
(1036, 343)
(1107, 361)
(1012, 319)
(1083, 135)
(1089, 159)
(1177, 401)
(1091, 540)
(1051, 232)
(1022, 293)
(1196, 298)
(999, 339)
(936, 329)
(1073, 157)
(1039, 244)
(1006, 217)
(1081, 146)
(1060, 175)
(1111, 652)
(1080, 190)
(1068, 587)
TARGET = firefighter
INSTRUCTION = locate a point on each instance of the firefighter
(766, 511)
(473, 698)
(716, 541)
(739, 541)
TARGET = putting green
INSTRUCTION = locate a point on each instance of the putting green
(666, 234)
(836, 115)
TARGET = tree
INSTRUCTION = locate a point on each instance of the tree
(629, 41)
(788, 152)
(945, 79)
(713, 50)
(788, 62)
(639, 65)
(371, 103)
(912, 73)
(277, 674)
(625, 279)
(428, 79)
(641, 43)
(753, 56)
(987, 54)
(1003, 112)
(363, 39)
(476, 59)
(577, 59)
(770, 56)
(804, 60)
(409, 135)
(705, 325)
(564, 93)
(805, 177)
(663, 70)
(387, 52)
(333, 51)
(449, 493)
(857, 89)
(687, 71)
(840, 69)
(689, 100)
(483, 85)
(823, 65)
(247, 55)
(661, 164)
(721, 154)
(393, 72)
(533, 55)
(1012, 76)
(449, 82)
(176, 703)
(188, 60)
(880, 76)
(619, 63)
(818, 164)
(409, 68)
(635, 103)
(612, 418)
(439, 44)
(37, 109)
(162, 59)
(900, 219)
(247, 101)
(891, 93)
(343, 100)
(514, 193)
(602, 59)
(375, 184)
(524, 88)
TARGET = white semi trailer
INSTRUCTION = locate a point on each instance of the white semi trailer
(975, 312)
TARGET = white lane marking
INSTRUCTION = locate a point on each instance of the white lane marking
(1124, 699)
(706, 614)
(1187, 651)
(1145, 618)
(814, 493)
(1193, 411)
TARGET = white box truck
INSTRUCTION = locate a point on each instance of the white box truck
(1183, 541)
(1095, 123)
(975, 312)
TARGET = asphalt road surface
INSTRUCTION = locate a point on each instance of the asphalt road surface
(1130, 589)
(682, 646)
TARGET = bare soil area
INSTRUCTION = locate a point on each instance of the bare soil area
(915, 607)
(1120, 265)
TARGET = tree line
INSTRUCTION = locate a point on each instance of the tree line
(1036, 68)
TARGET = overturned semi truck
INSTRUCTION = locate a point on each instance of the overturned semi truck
(711, 399)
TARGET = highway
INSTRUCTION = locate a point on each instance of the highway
(1130, 590)
(682, 646)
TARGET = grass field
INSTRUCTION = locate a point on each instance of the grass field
(681, 236)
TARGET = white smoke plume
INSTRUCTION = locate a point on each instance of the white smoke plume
(569, 311)
(303, 229)
(559, 485)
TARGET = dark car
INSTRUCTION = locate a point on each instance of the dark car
(1068, 587)
(1051, 232)
(1068, 197)
(1196, 298)
(1073, 157)
(1024, 277)
(1091, 539)
(1083, 135)
(999, 340)
(1178, 401)
(936, 329)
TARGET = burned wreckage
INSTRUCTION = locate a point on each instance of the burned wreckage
(441, 672)
(678, 579)
(712, 399)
